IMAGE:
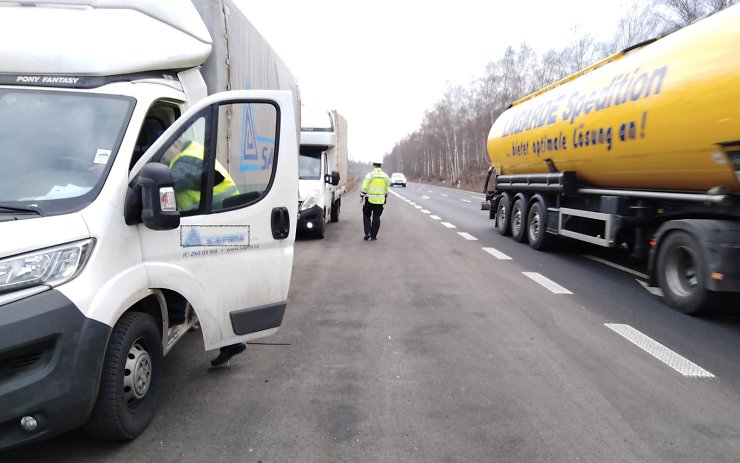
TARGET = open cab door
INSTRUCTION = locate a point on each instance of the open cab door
(234, 164)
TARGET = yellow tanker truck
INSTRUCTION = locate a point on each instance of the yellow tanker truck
(640, 150)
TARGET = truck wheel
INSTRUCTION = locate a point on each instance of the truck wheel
(537, 227)
(519, 220)
(681, 273)
(502, 214)
(335, 210)
(129, 381)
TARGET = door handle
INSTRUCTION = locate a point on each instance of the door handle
(280, 222)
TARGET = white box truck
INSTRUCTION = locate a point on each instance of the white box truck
(108, 253)
(322, 170)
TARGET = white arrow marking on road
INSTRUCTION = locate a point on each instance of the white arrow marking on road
(547, 283)
(660, 352)
(467, 236)
(448, 225)
(436, 217)
(497, 254)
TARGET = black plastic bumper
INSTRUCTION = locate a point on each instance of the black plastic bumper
(313, 216)
(50, 361)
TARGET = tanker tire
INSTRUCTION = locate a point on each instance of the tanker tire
(681, 274)
(519, 221)
(503, 209)
(335, 210)
(539, 239)
(129, 380)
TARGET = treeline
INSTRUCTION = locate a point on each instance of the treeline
(450, 145)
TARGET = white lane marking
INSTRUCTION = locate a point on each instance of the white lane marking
(445, 196)
(426, 211)
(660, 352)
(417, 206)
(497, 254)
(464, 200)
(616, 266)
(547, 283)
(393, 192)
(436, 217)
(430, 191)
(412, 203)
(654, 290)
(467, 236)
(448, 225)
(425, 197)
(478, 197)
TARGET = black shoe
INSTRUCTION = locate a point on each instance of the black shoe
(367, 237)
(372, 238)
(226, 353)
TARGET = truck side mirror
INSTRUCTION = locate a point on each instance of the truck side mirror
(332, 178)
(151, 199)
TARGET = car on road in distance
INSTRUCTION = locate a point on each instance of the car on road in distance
(398, 178)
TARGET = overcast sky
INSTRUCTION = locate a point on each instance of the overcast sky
(383, 63)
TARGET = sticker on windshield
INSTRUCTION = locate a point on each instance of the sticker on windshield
(101, 157)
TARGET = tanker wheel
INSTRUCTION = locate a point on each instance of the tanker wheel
(537, 227)
(519, 220)
(682, 272)
(503, 208)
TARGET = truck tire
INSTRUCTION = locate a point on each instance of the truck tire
(335, 210)
(537, 234)
(129, 381)
(503, 210)
(681, 273)
(519, 220)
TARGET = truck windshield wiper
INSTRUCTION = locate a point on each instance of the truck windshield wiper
(4, 208)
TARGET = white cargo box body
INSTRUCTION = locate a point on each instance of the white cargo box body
(340, 124)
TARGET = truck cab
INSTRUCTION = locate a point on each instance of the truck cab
(103, 267)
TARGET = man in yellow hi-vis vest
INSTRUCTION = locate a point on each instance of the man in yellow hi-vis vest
(185, 159)
(374, 192)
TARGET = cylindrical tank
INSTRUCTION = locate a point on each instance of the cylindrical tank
(658, 117)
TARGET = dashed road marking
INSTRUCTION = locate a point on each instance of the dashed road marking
(467, 236)
(426, 211)
(547, 283)
(425, 197)
(445, 196)
(660, 352)
(497, 254)
(464, 200)
(436, 217)
(448, 225)
(417, 207)
(655, 291)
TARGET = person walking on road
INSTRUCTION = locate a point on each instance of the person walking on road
(373, 193)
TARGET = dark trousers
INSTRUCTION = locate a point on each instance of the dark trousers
(371, 225)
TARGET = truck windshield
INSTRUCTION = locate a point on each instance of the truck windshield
(309, 167)
(56, 147)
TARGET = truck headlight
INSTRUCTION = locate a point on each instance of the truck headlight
(51, 266)
(310, 201)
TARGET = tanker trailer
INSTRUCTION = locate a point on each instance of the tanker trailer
(640, 150)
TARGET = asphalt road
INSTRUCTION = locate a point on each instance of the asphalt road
(424, 347)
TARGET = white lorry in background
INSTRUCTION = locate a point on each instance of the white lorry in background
(322, 169)
(102, 269)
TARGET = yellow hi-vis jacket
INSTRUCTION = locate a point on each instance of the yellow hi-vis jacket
(187, 170)
(376, 186)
